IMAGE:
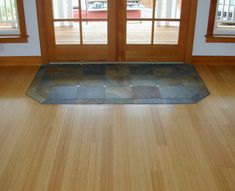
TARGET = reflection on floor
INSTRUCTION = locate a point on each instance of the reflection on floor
(117, 84)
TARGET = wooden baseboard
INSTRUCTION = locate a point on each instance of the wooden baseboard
(213, 60)
(20, 60)
(36, 60)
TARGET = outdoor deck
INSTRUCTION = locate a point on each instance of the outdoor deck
(96, 33)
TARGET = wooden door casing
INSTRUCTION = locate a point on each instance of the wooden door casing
(119, 51)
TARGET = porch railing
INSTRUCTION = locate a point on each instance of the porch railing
(226, 12)
(165, 8)
(8, 13)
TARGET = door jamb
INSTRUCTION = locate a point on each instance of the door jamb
(191, 32)
(42, 31)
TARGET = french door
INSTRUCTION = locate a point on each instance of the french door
(78, 31)
(116, 30)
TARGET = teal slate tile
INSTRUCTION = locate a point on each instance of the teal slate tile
(93, 80)
(143, 80)
(176, 92)
(173, 70)
(118, 92)
(44, 87)
(116, 70)
(90, 92)
(118, 80)
(141, 69)
(166, 81)
(93, 69)
(67, 80)
(164, 71)
(59, 92)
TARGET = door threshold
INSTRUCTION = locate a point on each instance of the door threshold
(81, 63)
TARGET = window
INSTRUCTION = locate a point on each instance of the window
(12, 22)
(221, 26)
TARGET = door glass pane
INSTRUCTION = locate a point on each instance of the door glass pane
(9, 18)
(67, 32)
(225, 18)
(94, 32)
(94, 9)
(139, 9)
(166, 32)
(168, 9)
(65, 9)
(139, 32)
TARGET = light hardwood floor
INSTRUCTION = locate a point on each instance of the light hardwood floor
(117, 148)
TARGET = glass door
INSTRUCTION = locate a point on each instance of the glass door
(81, 30)
(117, 30)
(156, 30)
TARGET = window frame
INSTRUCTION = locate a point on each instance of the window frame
(216, 38)
(17, 38)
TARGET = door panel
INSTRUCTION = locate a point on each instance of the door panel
(166, 35)
(111, 30)
(159, 35)
(81, 30)
(139, 32)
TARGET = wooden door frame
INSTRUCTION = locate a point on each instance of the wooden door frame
(44, 43)
(77, 52)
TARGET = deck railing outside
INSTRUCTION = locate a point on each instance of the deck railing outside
(164, 8)
(226, 13)
(8, 16)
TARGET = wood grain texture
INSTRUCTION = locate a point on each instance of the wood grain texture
(117, 147)
(220, 39)
(213, 60)
(211, 21)
(42, 31)
(191, 31)
(20, 60)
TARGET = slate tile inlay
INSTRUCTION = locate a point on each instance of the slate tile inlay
(117, 84)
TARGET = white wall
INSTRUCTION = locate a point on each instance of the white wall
(200, 46)
(32, 48)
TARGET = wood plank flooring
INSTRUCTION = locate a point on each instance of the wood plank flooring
(117, 148)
